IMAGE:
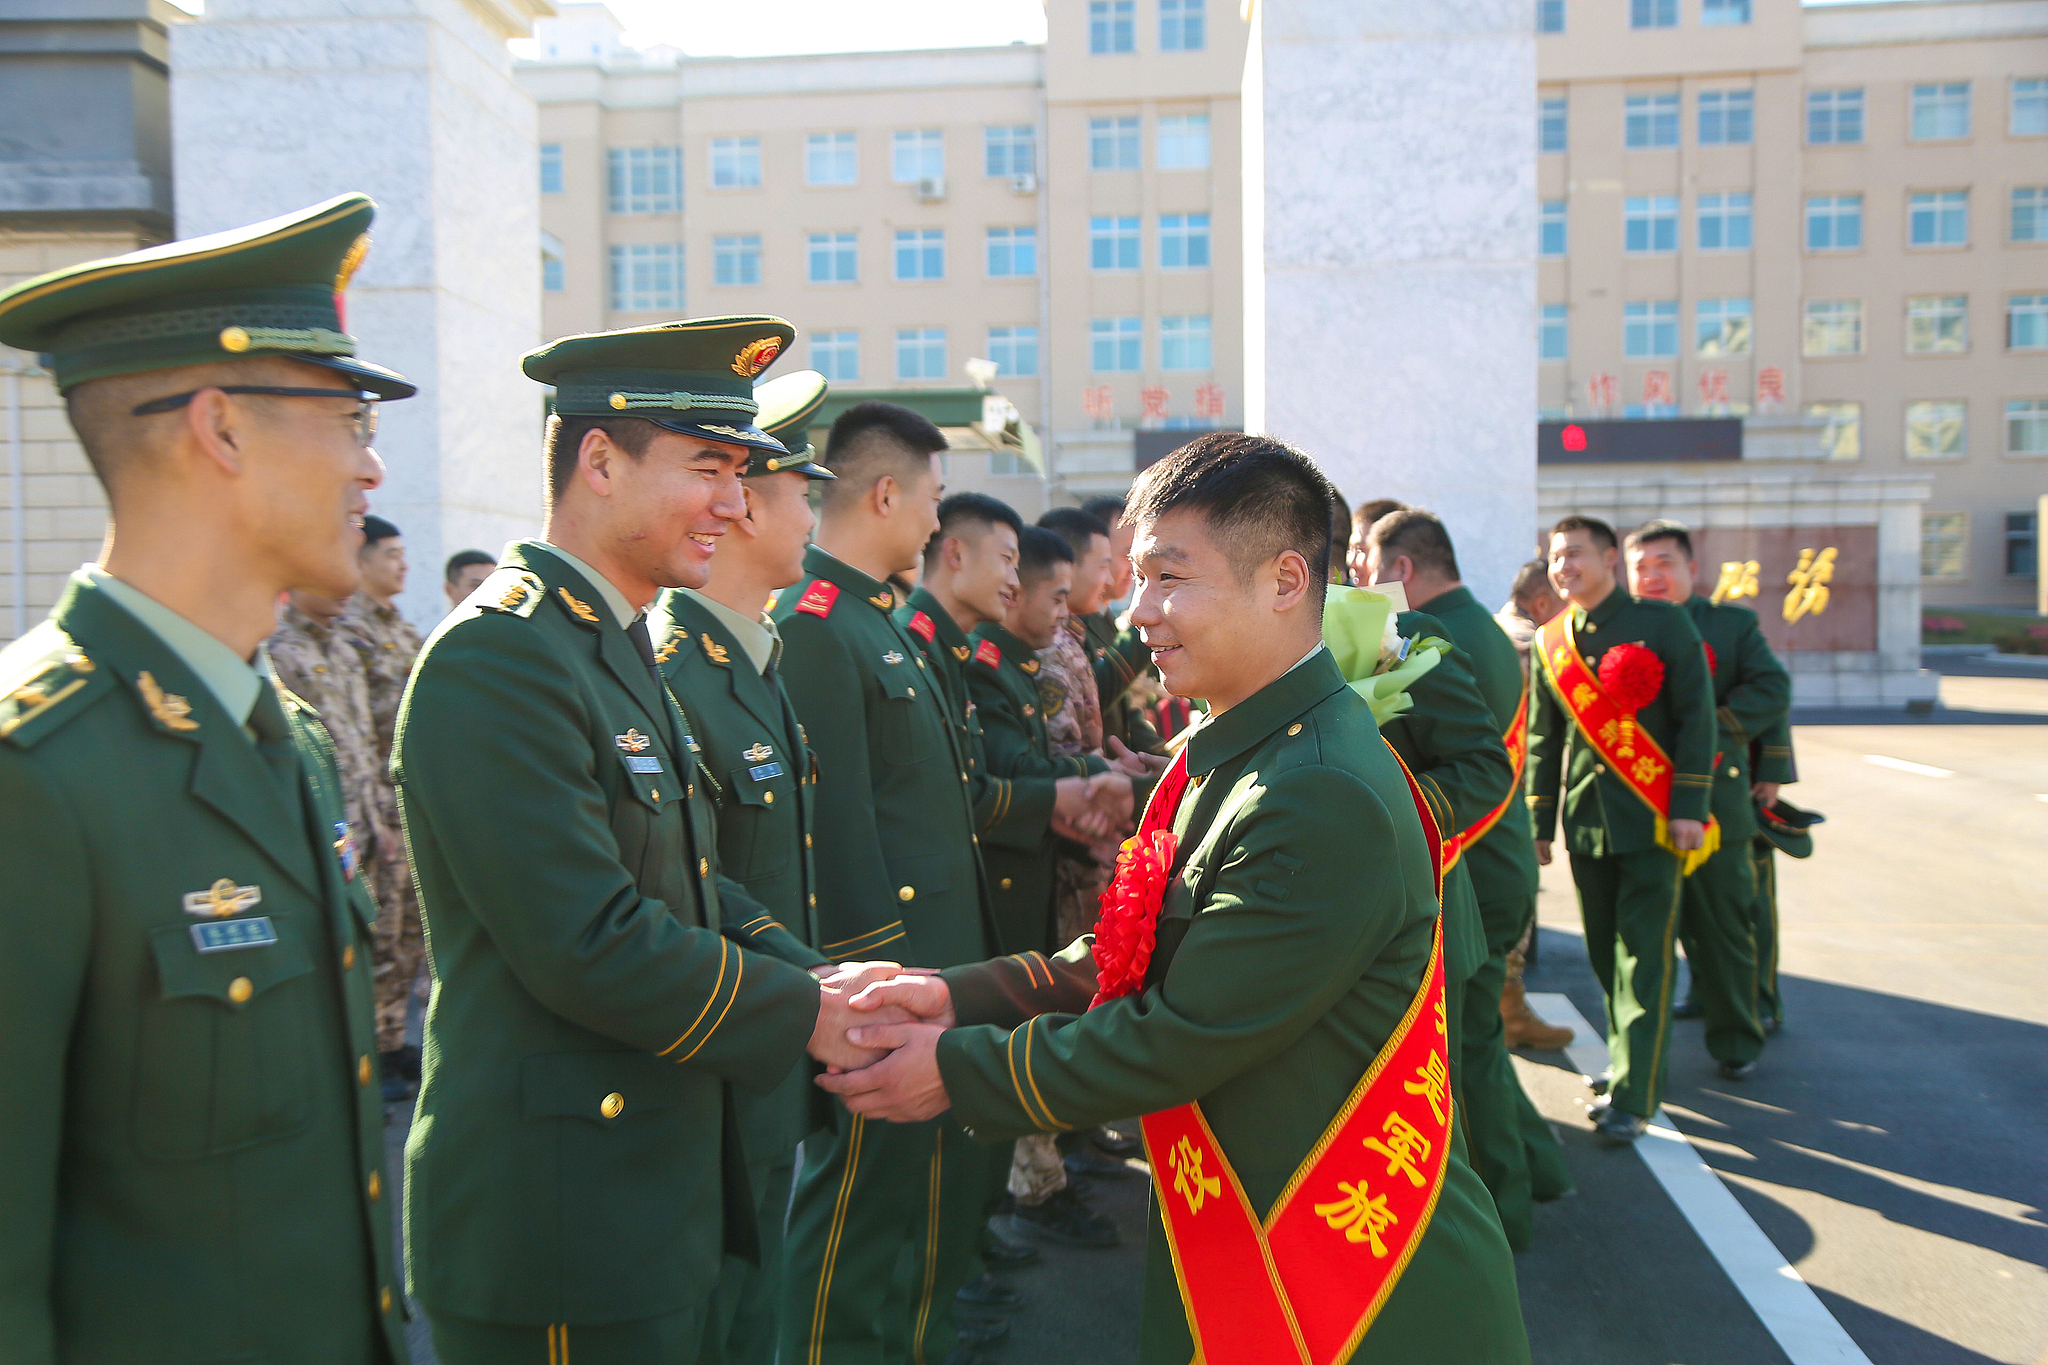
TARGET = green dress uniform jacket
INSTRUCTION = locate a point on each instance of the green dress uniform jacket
(1752, 695)
(192, 1149)
(1119, 657)
(1002, 679)
(1293, 937)
(893, 821)
(1019, 808)
(573, 1158)
(1601, 815)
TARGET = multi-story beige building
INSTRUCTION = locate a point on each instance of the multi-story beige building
(1068, 211)
(1831, 221)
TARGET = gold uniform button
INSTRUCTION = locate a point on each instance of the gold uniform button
(910, 692)
(376, 1187)
(920, 663)
(319, 668)
(613, 1106)
(814, 900)
(703, 867)
(1734, 771)
(807, 841)
(348, 957)
(904, 893)
(384, 1299)
(654, 795)
(1599, 768)
(1006, 883)
(1294, 729)
(363, 1069)
(241, 988)
(768, 797)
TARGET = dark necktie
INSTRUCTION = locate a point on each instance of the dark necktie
(643, 645)
(274, 740)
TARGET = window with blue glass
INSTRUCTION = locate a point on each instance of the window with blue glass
(736, 259)
(550, 168)
(1550, 228)
(834, 258)
(1650, 224)
(921, 254)
(1550, 16)
(1727, 117)
(1653, 13)
(1182, 26)
(1010, 149)
(1724, 11)
(1649, 329)
(1012, 252)
(1650, 120)
(1184, 241)
(1113, 144)
(1552, 342)
(836, 355)
(921, 353)
(1721, 327)
(1938, 218)
(1550, 125)
(2030, 213)
(1941, 112)
(1113, 242)
(1834, 117)
(1724, 222)
(1112, 26)
(1184, 343)
(1115, 345)
(1834, 222)
(1014, 350)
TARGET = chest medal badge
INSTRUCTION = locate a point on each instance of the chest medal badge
(345, 851)
(634, 746)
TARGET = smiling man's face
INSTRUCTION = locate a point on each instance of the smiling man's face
(668, 507)
(1191, 606)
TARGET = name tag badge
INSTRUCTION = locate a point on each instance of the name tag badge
(765, 771)
(228, 935)
(643, 763)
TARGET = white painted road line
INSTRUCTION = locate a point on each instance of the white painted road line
(1785, 1304)
(1901, 765)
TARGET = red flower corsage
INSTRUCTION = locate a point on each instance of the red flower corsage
(1129, 922)
(1631, 675)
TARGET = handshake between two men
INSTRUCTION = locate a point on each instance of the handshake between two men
(877, 1034)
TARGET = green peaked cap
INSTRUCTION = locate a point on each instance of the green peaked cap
(695, 376)
(271, 288)
(787, 406)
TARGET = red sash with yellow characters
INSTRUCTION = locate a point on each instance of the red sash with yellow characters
(1516, 738)
(1303, 1284)
(1631, 754)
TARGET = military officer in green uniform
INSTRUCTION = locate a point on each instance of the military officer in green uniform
(574, 1174)
(1295, 930)
(1628, 856)
(1752, 692)
(191, 1147)
(719, 652)
(1002, 679)
(970, 572)
(895, 828)
(1120, 656)
(1512, 1146)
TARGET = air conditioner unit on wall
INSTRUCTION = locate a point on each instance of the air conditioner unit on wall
(931, 188)
(1024, 183)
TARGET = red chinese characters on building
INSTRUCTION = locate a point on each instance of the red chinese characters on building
(1209, 401)
(1657, 387)
(1600, 391)
(1099, 402)
(1713, 388)
(1154, 400)
(1770, 385)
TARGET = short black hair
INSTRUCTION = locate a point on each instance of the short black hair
(961, 509)
(1417, 534)
(1366, 513)
(1107, 508)
(1262, 497)
(565, 439)
(1529, 579)
(1075, 525)
(1661, 529)
(375, 528)
(1038, 550)
(1602, 533)
(462, 559)
(874, 438)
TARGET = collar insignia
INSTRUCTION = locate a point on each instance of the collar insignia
(894, 656)
(1029, 665)
(715, 651)
(514, 596)
(221, 899)
(962, 653)
(171, 711)
(883, 600)
(582, 609)
(632, 742)
(760, 753)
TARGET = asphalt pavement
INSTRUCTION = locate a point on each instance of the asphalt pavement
(1889, 1149)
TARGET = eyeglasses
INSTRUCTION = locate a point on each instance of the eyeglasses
(365, 413)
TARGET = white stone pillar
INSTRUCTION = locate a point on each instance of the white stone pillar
(276, 104)
(1391, 277)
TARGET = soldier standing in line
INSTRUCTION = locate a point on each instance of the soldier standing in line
(192, 1148)
(721, 654)
(465, 572)
(1623, 723)
(389, 644)
(575, 1179)
(1752, 692)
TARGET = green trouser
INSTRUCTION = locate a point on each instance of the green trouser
(1629, 904)
(1764, 928)
(867, 1195)
(743, 1307)
(1716, 927)
(672, 1339)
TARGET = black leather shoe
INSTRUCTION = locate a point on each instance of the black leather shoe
(1086, 1161)
(1066, 1219)
(1117, 1141)
(1687, 1009)
(986, 1291)
(1601, 1083)
(1737, 1071)
(1001, 1254)
(1615, 1128)
(972, 1334)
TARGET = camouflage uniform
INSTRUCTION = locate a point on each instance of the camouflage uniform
(1068, 698)
(321, 664)
(388, 644)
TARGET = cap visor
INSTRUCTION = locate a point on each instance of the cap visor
(374, 379)
(734, 433)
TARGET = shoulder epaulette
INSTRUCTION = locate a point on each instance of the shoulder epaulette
(45, 680)
(510, 591)
(987, 653)
(921, 626)
(818, 598)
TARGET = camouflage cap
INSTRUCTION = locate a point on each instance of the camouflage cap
(787, 406)
(694, 376)
(269, 289)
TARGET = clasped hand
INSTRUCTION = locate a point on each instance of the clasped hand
(882, 1058)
